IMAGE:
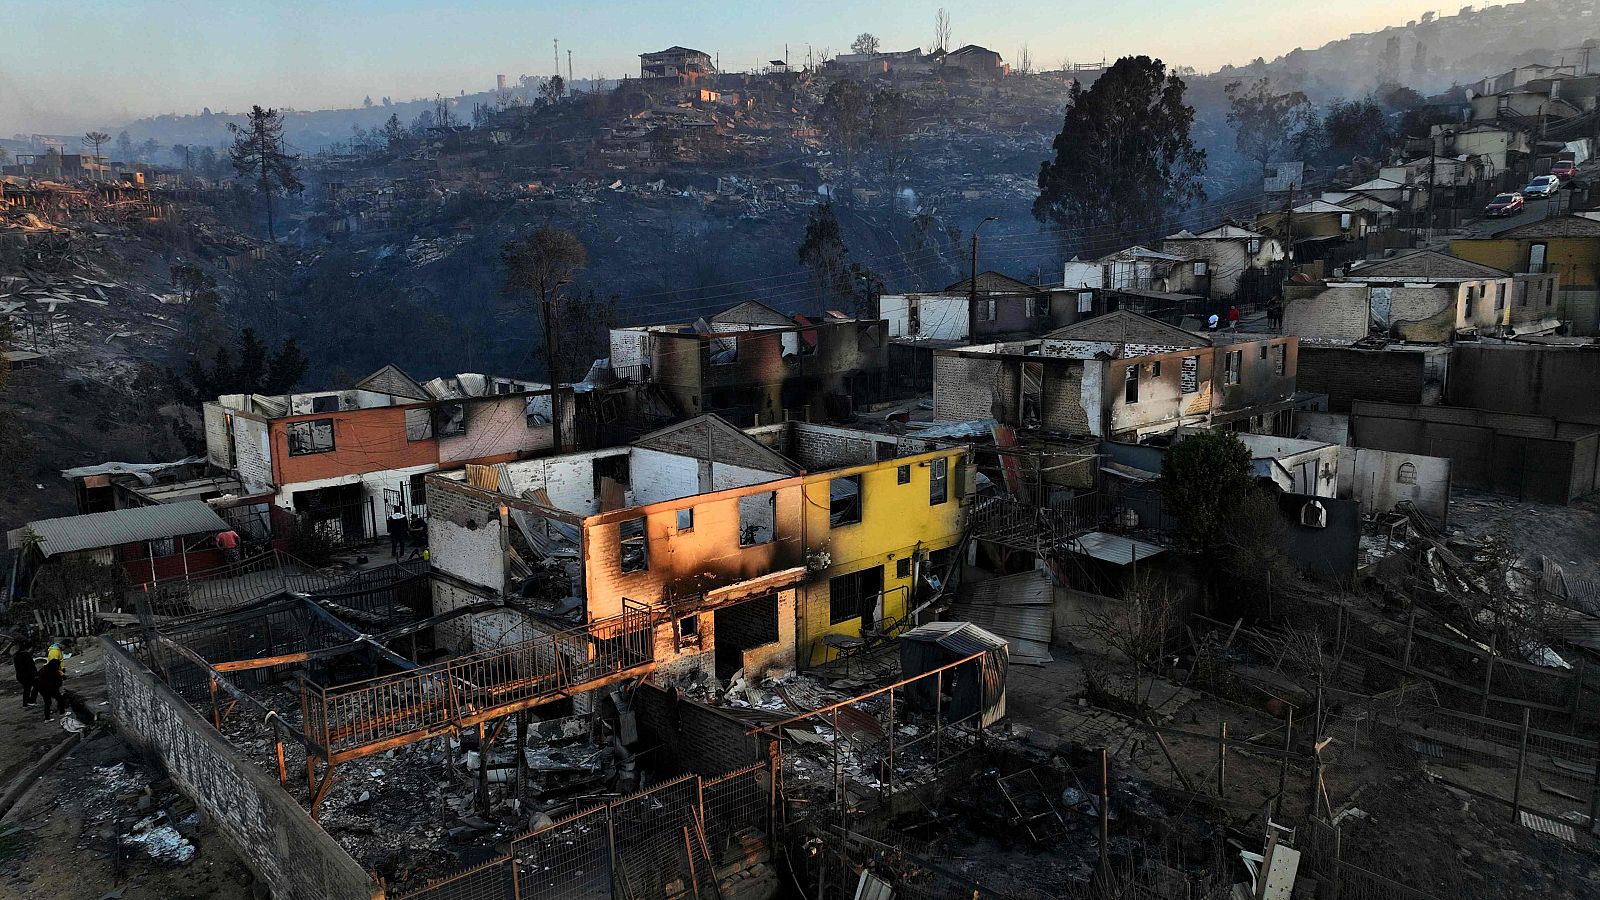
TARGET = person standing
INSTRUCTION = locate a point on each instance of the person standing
(1233, 318)
(1275, 314)
(49, 680)
(23, 661)
(398, 532)
(229, 542)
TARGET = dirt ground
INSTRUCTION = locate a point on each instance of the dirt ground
(1567, 534)
(62, 840)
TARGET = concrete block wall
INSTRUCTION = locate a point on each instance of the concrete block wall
(695, 737)
(287, 851)
(964, 387)
(1346, 375)
(1340, 313)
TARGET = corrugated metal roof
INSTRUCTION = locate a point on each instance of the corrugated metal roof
(121, 526)
(1114, 548)
(960, 638)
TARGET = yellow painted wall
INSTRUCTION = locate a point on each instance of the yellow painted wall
(896, 521)
(1575, 260)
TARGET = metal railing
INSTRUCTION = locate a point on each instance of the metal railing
(663, 841)
(1030, 526)
(364, 717)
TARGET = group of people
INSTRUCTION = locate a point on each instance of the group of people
(407, 534)
(41, 680)
(1274, 317)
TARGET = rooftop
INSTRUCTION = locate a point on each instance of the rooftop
(1429, 265)
(93, 531)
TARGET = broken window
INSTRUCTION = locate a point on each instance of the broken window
(902, 474)
(419, 489)
(1344, 221)
(1038, 307)
(1155, 369)
(310, 436)
(756, 515)
(1085, 301)
(902, 568)
(844, 501)
(452, 419)
(1200, 268)
(1499, 296)
(1232, 363)
(854, 595)
(612, 467)
(724, 351)
(1536, 256)
(1252, 246)
(883, 450)
(635, 552)
(938, 481)
(1279, 354)
(419, 424)
(1549, 291)
(1032, 394)
(686, 519)
(1314, 515)
(534, 414)
(913, 317)
(1189, 374)
(1406, 474)
(1522, 293)
(1262, 350)
(1130, 384)
(325, 403)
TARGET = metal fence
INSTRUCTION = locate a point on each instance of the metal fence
(364, 717)
(224, 587)
(651, 844)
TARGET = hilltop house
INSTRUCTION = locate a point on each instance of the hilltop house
(681, 63)
(1240, 263)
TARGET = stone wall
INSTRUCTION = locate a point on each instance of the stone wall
(287, 851)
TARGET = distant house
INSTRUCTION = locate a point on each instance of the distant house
(754, 365)
(682, 63)
(1240, 263)
(1006, 307)
(147, 542)
(1318, 228)
(1501, 148)
(1568, 247)
(1137, 269)
(1423, 296)
(1121, 376)
(980, 61)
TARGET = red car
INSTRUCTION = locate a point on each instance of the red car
(1564, 169)
(1504, 205)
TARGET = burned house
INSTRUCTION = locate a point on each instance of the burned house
(748, 558)
(1422, 296)
(1239, 263)
(753, 365)
(342, 459)
(1122, 376)
(680, 63)
(1319, 230)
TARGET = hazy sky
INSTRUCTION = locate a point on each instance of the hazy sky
(68, 66)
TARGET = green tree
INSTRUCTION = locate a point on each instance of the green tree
(393, 131)
(259, 155)
(1266, 122)
(1124, 158)
(1203, 480)
(1357, 128)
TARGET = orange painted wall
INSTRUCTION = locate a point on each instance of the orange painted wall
(364, 440)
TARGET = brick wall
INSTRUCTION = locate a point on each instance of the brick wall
(1346, 374)
(279, 842)
(253, 454)
(964, 387)
(694, 737)
(1340, 313)
(1063, 411)
(826, 448)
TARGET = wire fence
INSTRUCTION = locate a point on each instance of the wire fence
(651, 844)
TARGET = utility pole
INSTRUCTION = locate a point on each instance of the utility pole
(569, 70)
(972, 285)
(557, 43)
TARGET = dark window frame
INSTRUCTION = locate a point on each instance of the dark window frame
(625, 540)
(299, 447)
(938, 481)
(849, 595)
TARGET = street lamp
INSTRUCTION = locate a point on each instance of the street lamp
(972, 284)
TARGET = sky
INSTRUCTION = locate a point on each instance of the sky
(101, 63)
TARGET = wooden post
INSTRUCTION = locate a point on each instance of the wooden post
(1411, 631)
(216, 718)
(1222, 758)
(1577, 696)
(1522, 761)
(283, 773)
(1105, 809)
(483, 771)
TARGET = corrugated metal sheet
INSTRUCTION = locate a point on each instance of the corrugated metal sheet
(1114, 548)
(121, 526)
(1025, 589)
(927, 647)
(1033, 623)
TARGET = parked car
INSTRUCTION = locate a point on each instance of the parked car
(1504, 205)
(1543, 186)
(1564, 169)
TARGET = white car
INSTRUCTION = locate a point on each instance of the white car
(1543, 186)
